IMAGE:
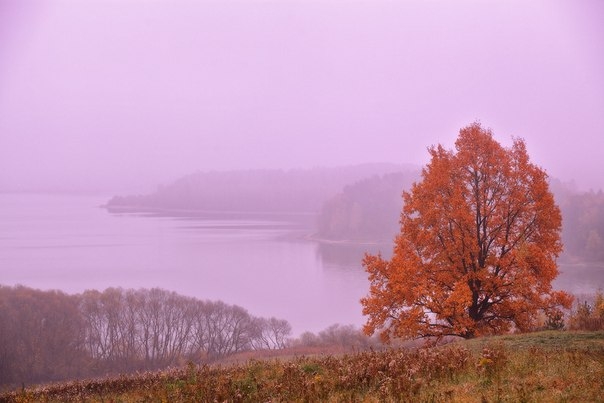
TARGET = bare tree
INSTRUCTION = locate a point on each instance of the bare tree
(50, 335)
(271, 334)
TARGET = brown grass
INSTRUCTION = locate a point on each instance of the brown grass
(546, 366)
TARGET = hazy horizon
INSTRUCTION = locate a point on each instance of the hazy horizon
(113, 96)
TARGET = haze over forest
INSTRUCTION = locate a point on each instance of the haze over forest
(118, 97)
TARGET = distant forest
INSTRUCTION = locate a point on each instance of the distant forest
(582, 222)
(369, 210)
(300, 191)
(356, 203)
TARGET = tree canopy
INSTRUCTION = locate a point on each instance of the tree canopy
(476, 253)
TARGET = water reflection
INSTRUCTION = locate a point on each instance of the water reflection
(577, 278)
(349, 255)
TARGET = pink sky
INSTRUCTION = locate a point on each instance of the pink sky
(118, 94)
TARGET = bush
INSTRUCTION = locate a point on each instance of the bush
(588, 315)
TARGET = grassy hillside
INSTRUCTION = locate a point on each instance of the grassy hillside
(546, 366)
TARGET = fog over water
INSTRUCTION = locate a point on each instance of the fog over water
(257, 262)
(117, 96)
(68, 243)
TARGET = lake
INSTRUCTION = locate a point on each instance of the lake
(262, 262)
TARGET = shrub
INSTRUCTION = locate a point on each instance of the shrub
(588, 316)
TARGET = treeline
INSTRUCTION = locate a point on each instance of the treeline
(370, 209)
(582, 222)
(366, 210)
(252, 190)
(50, 336)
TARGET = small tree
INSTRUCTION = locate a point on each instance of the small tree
(480, 234)
(588, 316)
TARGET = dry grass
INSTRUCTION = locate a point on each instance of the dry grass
(545, 366)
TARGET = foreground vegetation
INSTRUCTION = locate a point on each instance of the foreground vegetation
(545, 366)
(50, 336)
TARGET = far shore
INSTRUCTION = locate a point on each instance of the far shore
(196, 212)
(303, 234)
(307, 236)
(318, 238)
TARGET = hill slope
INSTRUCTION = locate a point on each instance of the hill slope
(546, 366)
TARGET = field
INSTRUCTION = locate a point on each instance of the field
(554, 366)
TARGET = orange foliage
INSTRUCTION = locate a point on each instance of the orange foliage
(476, 255)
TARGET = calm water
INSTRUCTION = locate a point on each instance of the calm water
(260, 262)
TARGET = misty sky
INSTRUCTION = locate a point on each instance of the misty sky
(118, 94)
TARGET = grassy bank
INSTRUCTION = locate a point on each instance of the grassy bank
(544, 366)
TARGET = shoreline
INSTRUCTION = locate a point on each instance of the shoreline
(306, 234)
(310, 236)
(316, 238)
(196, 212)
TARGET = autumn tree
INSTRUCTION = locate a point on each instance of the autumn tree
(40, 336)
(477, 249)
